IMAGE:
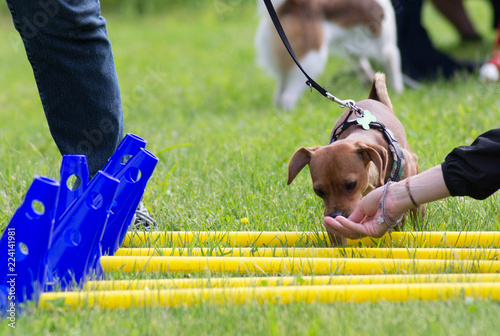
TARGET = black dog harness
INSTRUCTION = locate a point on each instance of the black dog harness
(365, 118)
(367, 121)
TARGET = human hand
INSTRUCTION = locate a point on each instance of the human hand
(365, 219)
(362, 222)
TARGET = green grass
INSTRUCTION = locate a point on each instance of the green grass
(223, 152)
(414, 318)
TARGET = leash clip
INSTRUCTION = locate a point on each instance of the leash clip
(308, 83)
(349, 103)
(343, 103)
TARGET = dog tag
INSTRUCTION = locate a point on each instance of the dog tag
(366, 119)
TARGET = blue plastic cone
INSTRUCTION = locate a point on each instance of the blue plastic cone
(133, 180)
(71, 165)
(128, 147)
(75, 245)
(69, 191)
(24, 245)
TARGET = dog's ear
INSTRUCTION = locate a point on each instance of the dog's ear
(298, 161)
(376, 154)
(379, 90)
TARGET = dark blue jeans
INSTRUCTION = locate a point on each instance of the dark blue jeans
(67, 45)
(420, 60)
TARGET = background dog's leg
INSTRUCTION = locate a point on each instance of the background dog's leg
(292, 84)
(289, 89)
(391, 62)
(362, 66)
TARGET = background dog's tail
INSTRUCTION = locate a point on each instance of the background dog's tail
(379, 90)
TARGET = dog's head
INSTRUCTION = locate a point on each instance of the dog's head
(346, 170)
(341, 173)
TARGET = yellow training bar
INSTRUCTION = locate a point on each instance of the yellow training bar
(270, 265)
(270, 295)
(232, 238)
(154, 284)
(316, 239)
(319, 252)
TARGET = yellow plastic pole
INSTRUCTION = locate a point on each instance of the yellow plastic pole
(319, 252)
(154, 284)
(232, 238)
(306, 266)
(271, 295)
(317, 239)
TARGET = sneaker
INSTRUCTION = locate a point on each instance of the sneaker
(469, 39)
(490, 71)
(142, 220)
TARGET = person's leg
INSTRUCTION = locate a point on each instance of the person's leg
(454, 11)
(496, 12)
(67, 45)
(419, 59)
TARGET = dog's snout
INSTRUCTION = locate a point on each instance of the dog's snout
(336, 213)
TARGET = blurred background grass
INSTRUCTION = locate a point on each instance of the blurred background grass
(191, 88)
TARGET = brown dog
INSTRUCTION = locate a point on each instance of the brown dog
(359, 161)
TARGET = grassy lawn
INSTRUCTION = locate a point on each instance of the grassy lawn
(190, 87)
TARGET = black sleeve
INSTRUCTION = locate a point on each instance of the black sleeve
(474, 170)
(496, 12)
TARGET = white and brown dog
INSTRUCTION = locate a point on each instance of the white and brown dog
(358, 29)
(359, 161)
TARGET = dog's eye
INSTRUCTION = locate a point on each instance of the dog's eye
(319, 192)
(351, 185)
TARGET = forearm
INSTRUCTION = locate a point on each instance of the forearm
(425, 187)
(365, 220)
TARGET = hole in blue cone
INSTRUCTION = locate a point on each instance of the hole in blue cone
(22, 251)
(125, 159)
(23, 248)
(112, 207)
(38, 207)
(133, 174)
(95, 200)
(72, 237)
(73, 182)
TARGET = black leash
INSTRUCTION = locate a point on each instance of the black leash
(310, 82)
(362, 120)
